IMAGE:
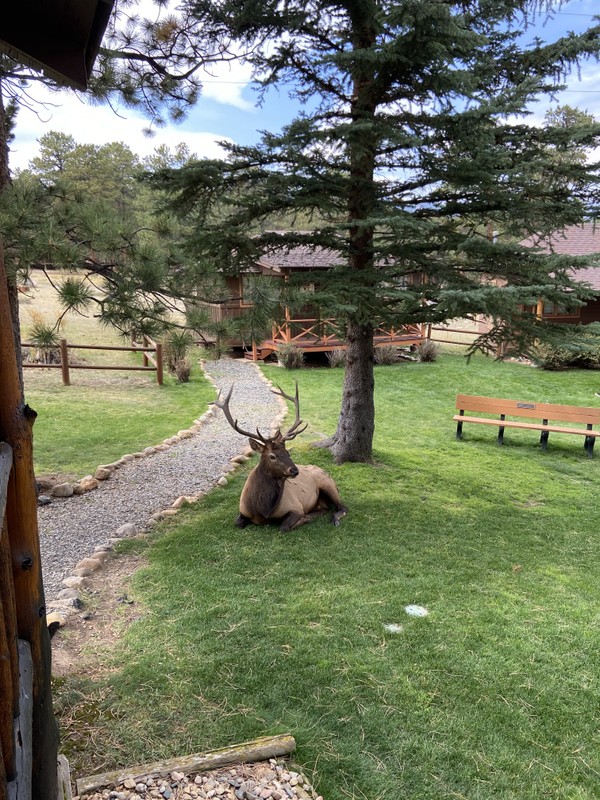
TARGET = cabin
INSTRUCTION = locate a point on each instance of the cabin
(62, 39)
(308, 329)
(576, 240)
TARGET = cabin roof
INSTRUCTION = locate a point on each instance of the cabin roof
(59, 37)
(288, 258)
(575, 240)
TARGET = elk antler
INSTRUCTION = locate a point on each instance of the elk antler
(224, 406)
(292, 432)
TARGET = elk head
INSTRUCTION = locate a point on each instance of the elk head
(274, 455)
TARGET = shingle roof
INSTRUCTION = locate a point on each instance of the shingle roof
(576, 240)
(299, 256)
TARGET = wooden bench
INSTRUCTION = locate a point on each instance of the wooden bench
(543, 412)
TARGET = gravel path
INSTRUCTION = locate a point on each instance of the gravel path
(72, 528)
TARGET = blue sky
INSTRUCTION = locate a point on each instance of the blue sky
(227, 108)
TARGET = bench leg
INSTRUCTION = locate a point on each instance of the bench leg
(459, 427)
(588, 445)
(544, 440)
(501, 431)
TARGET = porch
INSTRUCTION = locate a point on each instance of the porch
(322, 336)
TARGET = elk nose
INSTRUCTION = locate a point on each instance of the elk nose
(294, 471)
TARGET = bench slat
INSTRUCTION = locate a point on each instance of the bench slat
(503, 423)
(521, 408)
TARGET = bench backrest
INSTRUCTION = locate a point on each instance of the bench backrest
(526, 408)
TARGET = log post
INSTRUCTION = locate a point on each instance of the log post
(159, 363)
(64, 362)
(16, 420)
(145, 342)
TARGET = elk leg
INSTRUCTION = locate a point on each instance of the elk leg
(339, 513)
(242, 521)
(294, 519)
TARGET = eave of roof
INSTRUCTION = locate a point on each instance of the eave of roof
(58, 37)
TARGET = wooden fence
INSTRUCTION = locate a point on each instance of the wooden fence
(150, 363)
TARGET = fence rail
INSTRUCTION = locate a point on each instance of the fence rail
(149, 363)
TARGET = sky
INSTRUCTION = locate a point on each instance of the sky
(228, 110)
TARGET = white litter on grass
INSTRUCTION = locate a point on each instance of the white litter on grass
(416, 611)
(393, 627)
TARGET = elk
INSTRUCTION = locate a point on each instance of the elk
(277, 489)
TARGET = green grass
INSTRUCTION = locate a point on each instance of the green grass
(493, 695)
(95, 422)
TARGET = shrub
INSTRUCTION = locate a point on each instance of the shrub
(570, 349)
(46, 339)
(337, 357)
(290, 356)
(183, 370)
(176, 346)
(428, 351)
(386, 354)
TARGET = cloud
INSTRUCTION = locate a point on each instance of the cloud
(98, 125)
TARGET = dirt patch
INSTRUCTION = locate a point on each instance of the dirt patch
(91, 633)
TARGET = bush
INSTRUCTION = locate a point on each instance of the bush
(183, 370)
(176, 346)
(579, 349)
(45, 337)
(428, 351)
(290, 356)
(337, 357)
(386, 354)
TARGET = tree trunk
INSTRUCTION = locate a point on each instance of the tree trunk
(353, 440)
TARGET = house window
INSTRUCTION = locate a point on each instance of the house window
(558, 310)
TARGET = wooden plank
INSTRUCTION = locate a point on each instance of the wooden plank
(527, 408)
(9, 659)
(21, 787)
(16, 421)
(257, 750)
(503, 423)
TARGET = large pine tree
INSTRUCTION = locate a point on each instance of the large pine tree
(413, 144)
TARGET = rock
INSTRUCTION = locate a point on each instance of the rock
(44, 500)
(89, 563)
(126, 530)
(222, 481)
(185, 434)
(103, 474)
(101, 555)
(127, 458)
(88, 483)
(180, 502)
(109, 467)
(63, 490)
(241, 459)
(56, 618)
(82, 572)
(169, 512)
(177, 776)
(149, 451)
(76, 582)
(140, 454)
(67, 594)
(129, 783)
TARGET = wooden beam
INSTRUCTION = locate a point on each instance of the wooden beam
(257, 750)
(16, 421)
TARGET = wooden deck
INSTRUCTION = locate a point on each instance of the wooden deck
(321, 336)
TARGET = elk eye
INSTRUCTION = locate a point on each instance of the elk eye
(272, 456)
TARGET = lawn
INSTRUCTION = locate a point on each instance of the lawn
(103, 414)
(493, 694)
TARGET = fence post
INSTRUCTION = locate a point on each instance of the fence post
(145, 355)
(159, 363)
(64, 362)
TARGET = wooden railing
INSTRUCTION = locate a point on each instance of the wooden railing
(324, 331)
(150, 363)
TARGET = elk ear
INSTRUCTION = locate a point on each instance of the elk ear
(256, 446)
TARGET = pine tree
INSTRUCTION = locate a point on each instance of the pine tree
(413, 142)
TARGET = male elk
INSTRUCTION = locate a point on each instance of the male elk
(277, 488)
